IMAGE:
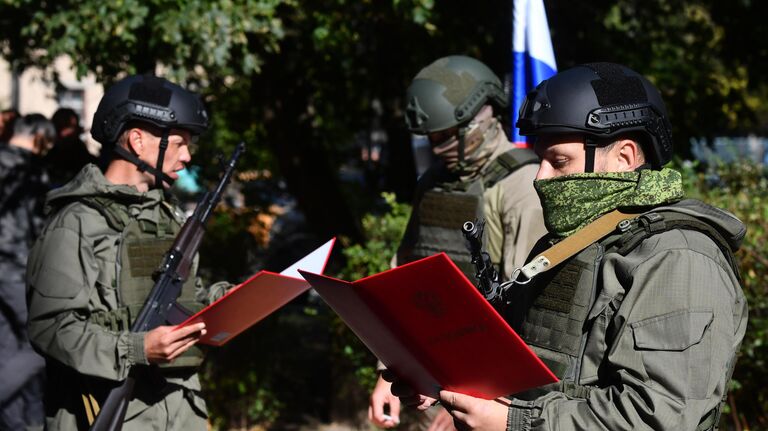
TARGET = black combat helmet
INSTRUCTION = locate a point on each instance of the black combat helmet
(600, 100)
(449, 93)
(148, 99)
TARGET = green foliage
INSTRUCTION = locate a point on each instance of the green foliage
(383, 231)
(742, 188)
(227, 231)
(192, 39)
(695, 52)
(276, 372)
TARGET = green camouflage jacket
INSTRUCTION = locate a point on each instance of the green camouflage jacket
(70, 276)
(661, 326)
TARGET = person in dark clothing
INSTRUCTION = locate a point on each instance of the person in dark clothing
(23, 184)
(69, 153)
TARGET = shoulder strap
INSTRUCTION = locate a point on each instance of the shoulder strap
(656, 222)
(577, 242)
(507, 163)
(113, 212)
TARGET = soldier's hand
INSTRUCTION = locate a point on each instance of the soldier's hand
(165, 343)
(475, 414)
(380, 397)
(406, 393)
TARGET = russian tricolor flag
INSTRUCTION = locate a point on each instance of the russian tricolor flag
(532, 57)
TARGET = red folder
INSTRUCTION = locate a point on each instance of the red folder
(426, 322)
(256, 298)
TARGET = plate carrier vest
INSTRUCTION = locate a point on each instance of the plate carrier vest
(143, 245)
(444, 208)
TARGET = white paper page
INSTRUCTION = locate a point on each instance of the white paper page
(313, 262)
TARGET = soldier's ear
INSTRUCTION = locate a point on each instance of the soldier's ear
(136, 141)
(627, 155)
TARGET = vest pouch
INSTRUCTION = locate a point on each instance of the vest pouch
(660, 340)
(441, 216)
(557, 318)
(142, 249)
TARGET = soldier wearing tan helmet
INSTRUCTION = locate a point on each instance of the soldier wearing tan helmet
(456, 102)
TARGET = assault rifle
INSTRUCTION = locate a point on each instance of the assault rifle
(160, 306)
(486, 275)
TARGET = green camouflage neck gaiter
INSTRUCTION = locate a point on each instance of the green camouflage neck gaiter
(572, 201)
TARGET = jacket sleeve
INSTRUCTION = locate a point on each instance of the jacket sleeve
(659, 361)
(61, 276)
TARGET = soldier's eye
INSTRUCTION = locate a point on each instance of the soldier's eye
(559, 163)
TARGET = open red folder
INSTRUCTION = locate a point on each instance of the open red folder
(256, 298)
(426, 322)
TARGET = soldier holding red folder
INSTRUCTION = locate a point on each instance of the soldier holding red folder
(90, 271)
(642, 325)
(456, 102)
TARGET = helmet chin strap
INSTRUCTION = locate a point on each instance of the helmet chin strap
(590, 145)
(159, 175)
(143, 166)
(462, 135)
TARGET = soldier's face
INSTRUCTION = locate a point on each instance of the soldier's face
(565, 154)
(177, 155)
(560, 155)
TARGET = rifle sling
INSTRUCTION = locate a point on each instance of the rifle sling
(575, 243)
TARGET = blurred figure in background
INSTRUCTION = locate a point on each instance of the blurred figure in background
(69, 153)
(23, 184)
(7, 118)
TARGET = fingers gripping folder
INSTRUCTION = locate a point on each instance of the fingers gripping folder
(256, 298)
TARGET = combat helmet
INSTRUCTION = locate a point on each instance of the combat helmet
(147, 99)
(600, 101)
(449, 93)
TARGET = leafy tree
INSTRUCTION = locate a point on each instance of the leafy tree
(690, 49)
(297, 78)
(194, 39)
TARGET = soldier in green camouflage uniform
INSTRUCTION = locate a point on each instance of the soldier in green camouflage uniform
(90, 270)
(642, 327)
(478, 175)
(23, 184)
